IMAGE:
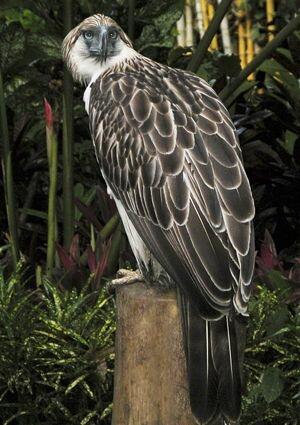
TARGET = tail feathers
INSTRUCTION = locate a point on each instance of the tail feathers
(203, 382)
(213, 369)
(226, 363)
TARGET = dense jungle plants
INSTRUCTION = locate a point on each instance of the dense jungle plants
(56, 349)
(60, 329)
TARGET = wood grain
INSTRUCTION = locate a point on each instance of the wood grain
(150, 373)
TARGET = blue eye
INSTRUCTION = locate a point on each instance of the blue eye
(88, 35)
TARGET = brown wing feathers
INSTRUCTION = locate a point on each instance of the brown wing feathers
(168, 149)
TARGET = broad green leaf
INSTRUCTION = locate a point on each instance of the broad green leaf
(12, 44)
(277, 320)
(279, 281)
(272, 384)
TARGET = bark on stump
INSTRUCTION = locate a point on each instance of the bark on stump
(150, 384)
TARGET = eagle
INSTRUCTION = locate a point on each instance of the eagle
(170, 156)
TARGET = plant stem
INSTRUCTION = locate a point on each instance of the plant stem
(114, 252)
(131, 4)
(52, 143)
(8, 180)
(68, 195)
(31, 190)
(110, 226)
(261, 57)
(211, 31)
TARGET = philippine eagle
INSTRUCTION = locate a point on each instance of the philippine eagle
(170, 156)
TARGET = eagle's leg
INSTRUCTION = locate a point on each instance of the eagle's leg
(125, 277)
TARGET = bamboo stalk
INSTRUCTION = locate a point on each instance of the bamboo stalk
(241, 35)
(270, 14)
(181, 32)
(242, 44)
(261, 57)
(225, 34)
(204, 43)
(199, 18)
(188, 23)
(204, 13)
(250, 44)
(52, 160)
(8, 180)
(131, 5)
(211, 12)
(68, 195)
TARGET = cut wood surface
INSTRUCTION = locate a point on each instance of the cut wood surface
(150, 385)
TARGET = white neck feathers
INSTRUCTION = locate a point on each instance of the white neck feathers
(93, 69)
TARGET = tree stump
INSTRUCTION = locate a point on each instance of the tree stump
(150, 384)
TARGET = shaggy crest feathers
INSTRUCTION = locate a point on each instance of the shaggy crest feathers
(81, 66)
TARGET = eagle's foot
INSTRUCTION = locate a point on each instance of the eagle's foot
(125, 277)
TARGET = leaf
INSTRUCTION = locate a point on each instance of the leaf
(88, 417)
(158, 33)
(88, 213)
(268, 258)
(228, 65)
(74, 248)
(17, 415)
(34, 213)
(272, 384)
(243, 88)
(66, 260)
(91, 259)
(12, 44)
(281, 74)
(75, 382)
(289, 141)
(279, 282)
(277, 320)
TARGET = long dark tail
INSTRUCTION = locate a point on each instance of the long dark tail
(214, 367)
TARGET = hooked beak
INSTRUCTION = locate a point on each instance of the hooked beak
(99, 47)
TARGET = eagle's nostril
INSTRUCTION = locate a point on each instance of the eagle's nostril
(95, 51)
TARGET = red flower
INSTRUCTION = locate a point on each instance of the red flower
(48, 114)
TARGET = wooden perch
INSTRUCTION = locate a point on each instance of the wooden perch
(150, 385)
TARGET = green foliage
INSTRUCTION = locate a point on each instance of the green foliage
(272, 363)
(56, 354)
(157, 32)
(55, 344)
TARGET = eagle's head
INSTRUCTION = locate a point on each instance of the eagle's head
(94, 46)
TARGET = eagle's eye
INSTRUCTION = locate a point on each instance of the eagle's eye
(88, 35)
(113, 34)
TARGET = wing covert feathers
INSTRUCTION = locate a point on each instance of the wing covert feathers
(169, 151)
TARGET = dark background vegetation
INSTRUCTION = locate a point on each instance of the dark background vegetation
(56, 336)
